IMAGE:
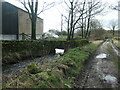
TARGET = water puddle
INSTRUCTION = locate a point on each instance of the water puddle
(101, 56)
(110, 79)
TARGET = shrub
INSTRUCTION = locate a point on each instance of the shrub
(35, 48)
(32, 68)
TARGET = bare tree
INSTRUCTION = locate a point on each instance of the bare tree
(116, 7)
(94, 8)
(74, 15)
(97, 31)
(112, 26)
(80, 15)
(32, 8)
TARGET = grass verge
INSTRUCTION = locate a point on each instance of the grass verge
(59, 73)
(114, 57)
(117, 43)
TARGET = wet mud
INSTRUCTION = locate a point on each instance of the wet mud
(100, 71)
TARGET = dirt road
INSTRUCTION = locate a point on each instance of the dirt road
(100, 72)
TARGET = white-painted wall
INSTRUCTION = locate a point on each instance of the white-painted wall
(0, 36)
(7, 37)
(14, 37)
(29, 36)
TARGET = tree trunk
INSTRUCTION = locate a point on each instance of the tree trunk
(113, 31)
(33, 34)
(71, 24)
(82, 32)
(73, 33)
(88, 24)
(82, 27)
(90, 31)
(68, 37)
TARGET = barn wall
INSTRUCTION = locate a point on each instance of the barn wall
(0, 18)
(15, 21)
(9, 19)
(39, 27)
(118, 17)
(25, 23)
(0, 44)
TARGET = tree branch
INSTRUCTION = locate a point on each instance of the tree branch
(48, 6)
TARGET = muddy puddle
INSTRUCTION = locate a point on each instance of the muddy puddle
(107, 78)
(110, 79)
(18, 67)
(101, 56)
(100, 72)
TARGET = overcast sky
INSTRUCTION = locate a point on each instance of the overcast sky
(52, 17)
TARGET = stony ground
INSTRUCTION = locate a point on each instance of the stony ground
(100, 71)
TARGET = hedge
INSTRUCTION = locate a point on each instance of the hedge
(15, 51)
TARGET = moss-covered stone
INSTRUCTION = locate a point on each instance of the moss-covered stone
(33, 68)
(43, 75)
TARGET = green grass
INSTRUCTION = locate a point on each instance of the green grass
(114, 57)
(117, 43)
(59, 73)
